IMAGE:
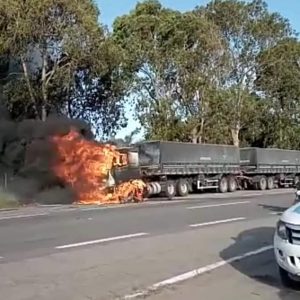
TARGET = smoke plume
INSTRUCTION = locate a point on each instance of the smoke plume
(27, 154)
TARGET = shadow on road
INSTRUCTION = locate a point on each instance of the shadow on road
(262, 267)
(275, 209)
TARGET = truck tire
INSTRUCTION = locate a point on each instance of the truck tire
(287, 279)
(223, 185)
(262, 183)
(270, 183)
(232, 184)
(170, 191)
(182, 188)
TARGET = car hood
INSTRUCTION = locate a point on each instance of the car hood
(292, 215)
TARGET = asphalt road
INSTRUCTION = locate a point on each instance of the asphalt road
(217, 246)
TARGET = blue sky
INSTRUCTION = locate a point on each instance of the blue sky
(111, 9)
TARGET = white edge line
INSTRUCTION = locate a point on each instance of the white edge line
(253, 195)
(154, 202)
(23, 216)
(218, 205)
(93, 208)
(196, 272)
(217, 222)
(122, 237)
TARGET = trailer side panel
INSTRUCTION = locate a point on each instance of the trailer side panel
(172, 153)
(269, 157)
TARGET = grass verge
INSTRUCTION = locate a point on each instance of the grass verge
(8, 200)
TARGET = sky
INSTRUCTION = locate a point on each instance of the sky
(111, 9)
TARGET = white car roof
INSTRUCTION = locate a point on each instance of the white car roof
(292, 215)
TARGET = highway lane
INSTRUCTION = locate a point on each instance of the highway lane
(136, 247)
(121, 269)
(41, 235)
(253, 278)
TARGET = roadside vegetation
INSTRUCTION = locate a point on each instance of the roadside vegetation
(227, 72)
(8, 200)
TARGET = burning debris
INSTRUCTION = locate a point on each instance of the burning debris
(58, 161)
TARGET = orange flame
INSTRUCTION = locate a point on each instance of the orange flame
(85, 166)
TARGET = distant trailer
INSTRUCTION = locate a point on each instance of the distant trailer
(266, 168)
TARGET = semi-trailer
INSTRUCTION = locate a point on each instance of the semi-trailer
(267, 168)
(177, 169)
(173, 168)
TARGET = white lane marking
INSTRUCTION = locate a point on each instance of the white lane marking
(217, 205)
(93, 208)
(115, 238)
(23, 216)
(253, 195)
(196, 272)
(153, 202)
(217, 222)
(276, 213)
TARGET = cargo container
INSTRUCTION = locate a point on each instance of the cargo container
(259, 157)
(176, 169)
(173, 168)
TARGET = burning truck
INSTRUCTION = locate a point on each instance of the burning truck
(88, 167)
(58, 161)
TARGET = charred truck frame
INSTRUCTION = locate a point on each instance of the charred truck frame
(177, 169)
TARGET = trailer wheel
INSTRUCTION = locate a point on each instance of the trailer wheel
(223, 185)
(182, 188)
(270, 183)
(170, 190)
(232, 184)
(262, 183)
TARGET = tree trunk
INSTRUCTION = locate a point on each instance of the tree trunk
(235, 135)
(194, 135)
(200, 135)
(44, 113)
(197, 133)
(44, 87)
(27, 79)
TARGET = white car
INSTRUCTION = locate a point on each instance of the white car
(287, 246)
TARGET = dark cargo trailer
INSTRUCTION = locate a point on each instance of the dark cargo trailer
(267, 167)
(269, 157)
(174, 168)
(177, 168)
(170, 153)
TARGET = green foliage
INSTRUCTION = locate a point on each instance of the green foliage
(68, 63)
(247, 28)
(8, 200)
(279, 81)
(195, 72)
(227, 72)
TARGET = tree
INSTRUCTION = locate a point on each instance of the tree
(199, 59)
(147, 34)
(173, 57)
(278, 79)
(65, 57)
(248, 28)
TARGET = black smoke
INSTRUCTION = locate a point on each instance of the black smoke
(27, 155)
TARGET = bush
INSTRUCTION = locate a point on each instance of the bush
(8, 200)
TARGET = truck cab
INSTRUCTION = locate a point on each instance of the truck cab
(287, 246)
